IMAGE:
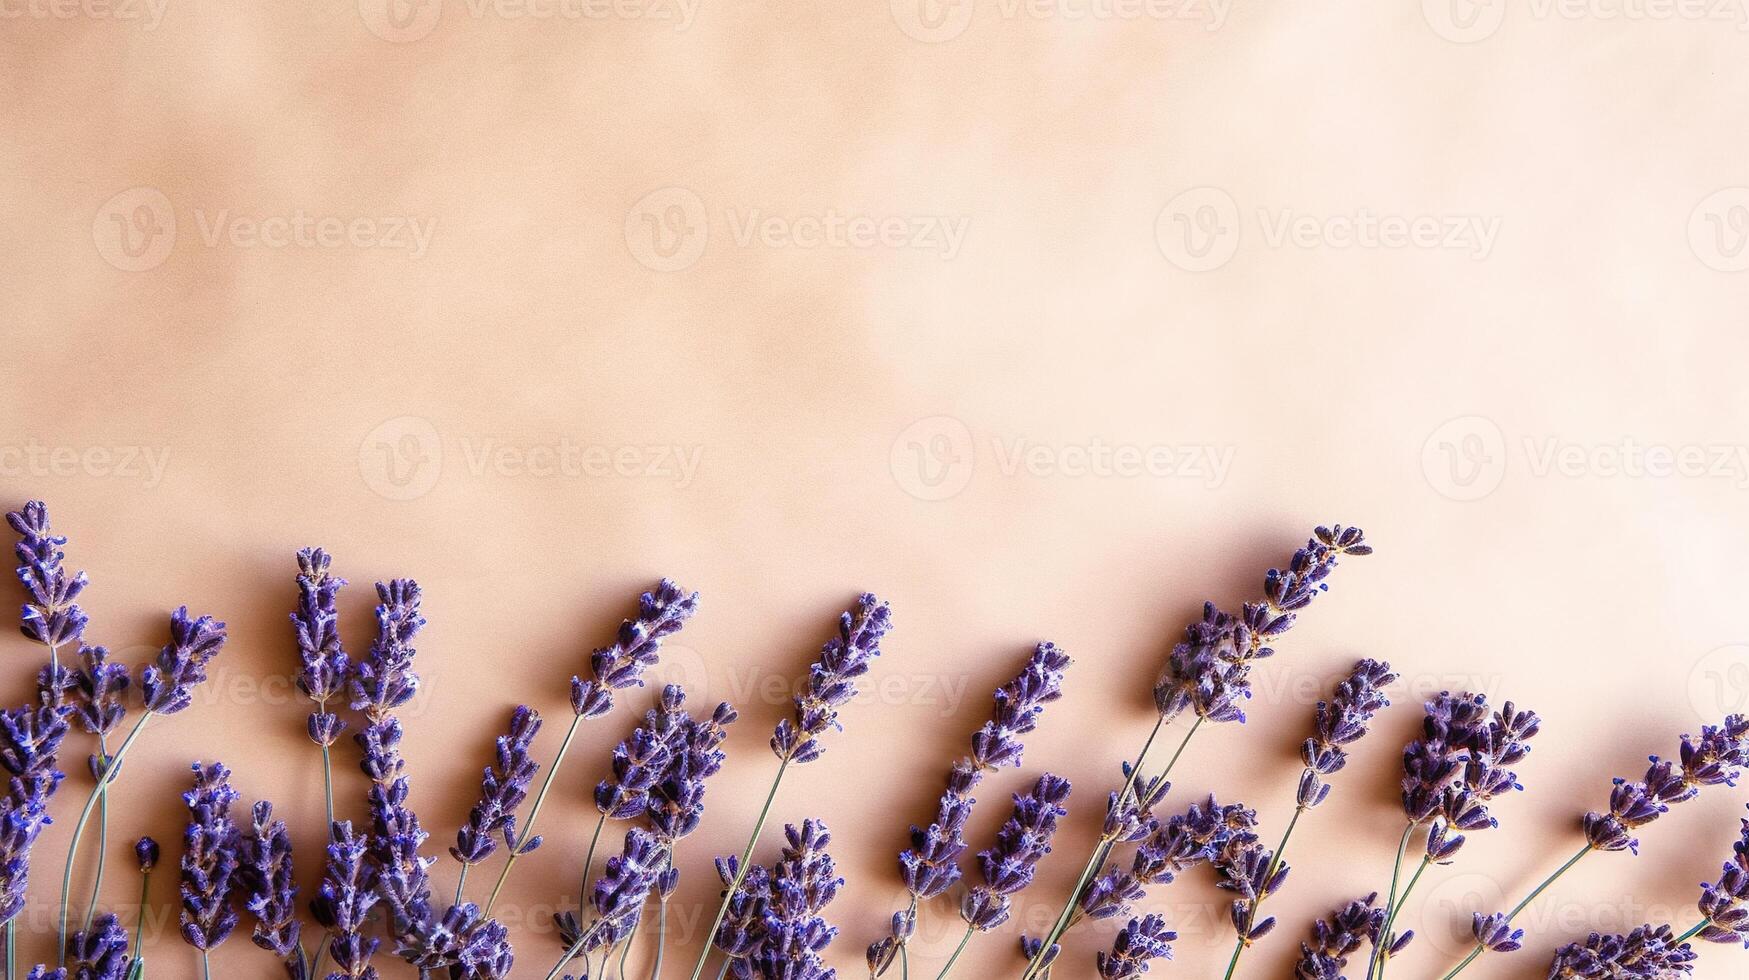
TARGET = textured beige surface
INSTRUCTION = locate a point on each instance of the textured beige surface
(1042, 321)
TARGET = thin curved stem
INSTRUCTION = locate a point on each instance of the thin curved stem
(1690, 934)
(704, 954)
(328, 781)
(951, 960)
(1521, 906)
(12, 948)
(1106, 842)
(589, 862)
(139, 965)
(1372, 961)
(534, 812)
(102, 832)
(625, 951)
(661, 935)
(1274, 862)
(206, 965)
(1391, 919)
(84, 818)
(461, 882)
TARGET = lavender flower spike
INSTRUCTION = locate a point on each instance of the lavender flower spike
(101, 952)
(930, 866)
(1141, 941)
(269, 891)
(1021, 843)
(1725, 919)
(342, 905)
(325, 666)
(777, 930)
(210, 860)
(503, 787)
(636, 648)
(618, 897)
(384, 679)
(1339, 937)
(1646, 953)
(30, 738)
(832, 680)
(51, 616)
(168, 683)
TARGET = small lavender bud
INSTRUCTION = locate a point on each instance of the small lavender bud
(147, 851)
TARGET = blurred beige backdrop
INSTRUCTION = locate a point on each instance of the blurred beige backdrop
(1042, 319)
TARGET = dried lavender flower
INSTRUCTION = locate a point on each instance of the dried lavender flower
(676, 803)
(210, 859)
(343, 902)
(1339, 722)
(1337, 938)
(30, 738)
(99, 690)
(636, 649)
(146, 851)
(51, 616)
(1496, 933)
(1716, 758)
(638, 765)
(1140, 942)
(1021, 843)
(503, 788)
(617, 899)
(1646, 953)
(832, 680)
(930, 866)
(1251, 870)
(325, 667)
(169, 682)
(384, 679)
(402, 878)
(270, 891)
(1722, 903)
(101, 951)
(786, 938)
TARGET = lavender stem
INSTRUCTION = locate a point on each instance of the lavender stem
(139, 967)
(102, 834)
(1372, 962)
(85, 817)
(1391, 918)
(1268, 875)
(589, 860)
(956, 953)
(1698, 926)
(1520, 907)
(661, 934)
(740, 872)
(328, 781)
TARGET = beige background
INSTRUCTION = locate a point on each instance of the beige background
(356, 276)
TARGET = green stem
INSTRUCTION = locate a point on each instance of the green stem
(1244, 943)
(109, 772)
(661, 936)
(1391, 919)
(589, 862)
(1372, 961)
(1521, 906)
(206, 965)
(461, 882)
(102, 831)
(575, 948)
(625, 952)
(328, 782)
(951, 960)
(140, 925)
(1690, 934)
(740, 872)
(721, 973)
(1103, 848)
(12, 948)
(534, 813)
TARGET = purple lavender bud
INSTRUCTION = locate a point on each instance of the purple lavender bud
(1021, 843)
(739, 934)
(636, 649)
(1716, 758)
(343, 903)
(99, 689)
(146, 851)
(384, 679)
(439, 944)
(1140, 942)
(40, 972)
(1019, 703)
(1030, 947)
(485, 953)
(396, 835)
(793, 934)
(1249, 869)
(1209, 672)
(619, 895)
(832, 680)
(50, 616)
(325, 667)
(29, 740)
(210, 859)
(639, 763)
(1494, 932)
(676, 803)
(1723, 902)
(270, 892)
(503, 788)
(101, 951)
(1646, 953)
(1337, 938)
(168, 683)
(1196, 836)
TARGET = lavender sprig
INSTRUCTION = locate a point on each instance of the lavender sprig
(1716, 758)
(1647, 953)
(210, 861)
(269, 890)
(30, 738)
(1338, 722)
(343, 903)
(1337, 938)
(831, 685)
(1208, 676)
(1140, 942)
(676, 804)
(503, 788)
(1724, 904)
(636, 648)
(100, 951)
(779, 932)
(930, 866)
(167, 685)
(51, 616)
(324, 666)
(618, 897)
